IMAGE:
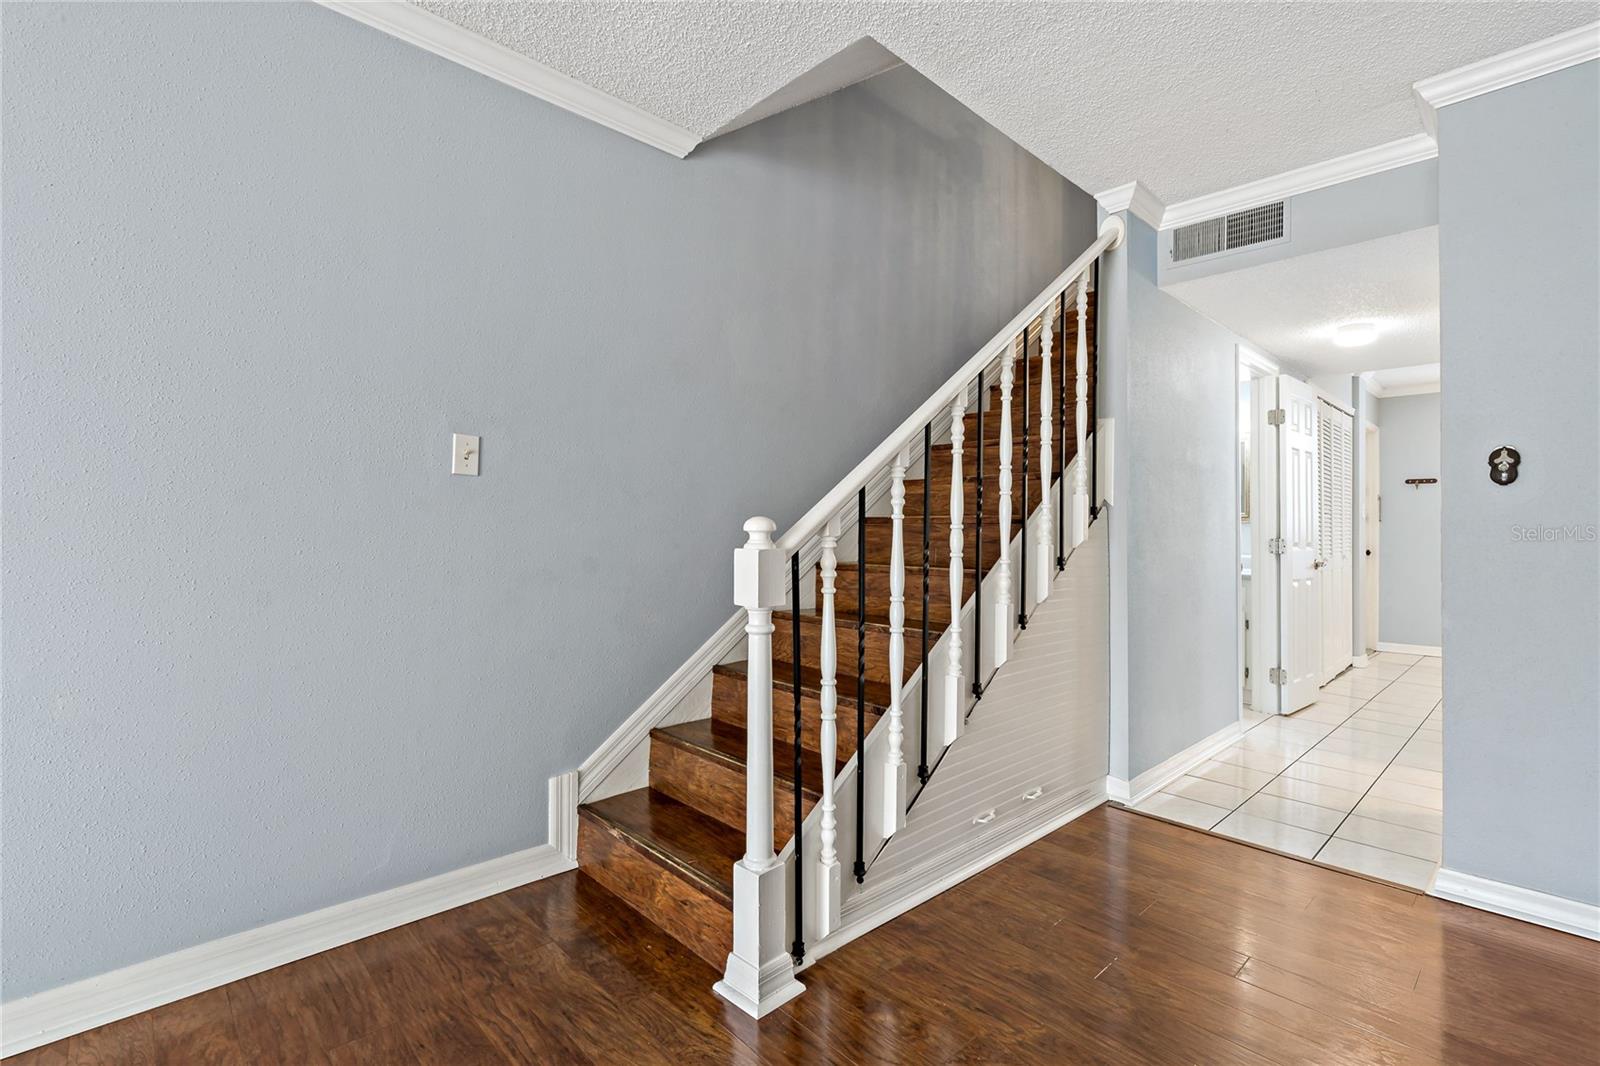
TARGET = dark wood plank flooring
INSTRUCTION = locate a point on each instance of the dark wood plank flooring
(1118, 939)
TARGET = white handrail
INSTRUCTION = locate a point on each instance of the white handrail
(1111, 235)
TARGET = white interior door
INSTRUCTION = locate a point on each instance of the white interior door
(1299, 599)
(1335, 536)
(1372, 516)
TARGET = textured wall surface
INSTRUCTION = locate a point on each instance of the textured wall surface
(1170, 384)
(1519, 260)
(1188, 98)
(262, 654)
(1409, 577)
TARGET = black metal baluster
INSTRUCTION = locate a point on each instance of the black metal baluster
(861, 686)
(1027, 389)
(1061, 452)
(927, 484)
(798, 950)
(1094, 357)
(977, 585)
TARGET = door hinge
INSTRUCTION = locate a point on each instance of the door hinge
(1278, 676)
(1275, 417)
(1275, 545)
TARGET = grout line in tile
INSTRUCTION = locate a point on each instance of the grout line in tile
(1387, 767)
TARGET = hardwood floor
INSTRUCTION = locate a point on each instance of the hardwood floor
(1117, 939)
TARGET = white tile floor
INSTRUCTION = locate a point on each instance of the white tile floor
(1352, 781)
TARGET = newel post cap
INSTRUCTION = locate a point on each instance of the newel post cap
(758, 568)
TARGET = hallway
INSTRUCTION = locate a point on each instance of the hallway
(1353, 781)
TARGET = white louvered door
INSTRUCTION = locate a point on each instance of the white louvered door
(1335, 536)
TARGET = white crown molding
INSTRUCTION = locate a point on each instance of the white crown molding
(1305, 179)
(1132, 197)
(45, 1017)
(1508, 68)
(444, 38)
(1513, 901)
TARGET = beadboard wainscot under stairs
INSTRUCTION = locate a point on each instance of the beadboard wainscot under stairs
(838, 752)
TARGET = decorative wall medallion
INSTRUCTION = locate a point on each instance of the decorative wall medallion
(1503, 463)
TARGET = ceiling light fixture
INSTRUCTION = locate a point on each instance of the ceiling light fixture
(1355, 334)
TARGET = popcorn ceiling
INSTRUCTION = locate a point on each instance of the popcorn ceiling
(1189, 98)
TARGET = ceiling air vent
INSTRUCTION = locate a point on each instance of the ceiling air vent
(1228, 232)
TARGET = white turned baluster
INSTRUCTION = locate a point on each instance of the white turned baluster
(1005, 614)
(829, 881)
(955, 719)
(760, 972)
(1080, 482)
(894, 770)
(1044, 571)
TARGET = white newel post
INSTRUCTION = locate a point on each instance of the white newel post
(1080, 486)
(1005, 614)
(829, 880)
(893, 810)
(1045, 571)
(955, 719)
(760, 973)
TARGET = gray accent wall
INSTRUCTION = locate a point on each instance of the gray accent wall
(1408, 532)
(1170, 383)
(262, 653)
(1519, 260)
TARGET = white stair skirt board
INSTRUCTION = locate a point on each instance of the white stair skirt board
(60, 1012)
(1032, 758)
(1158, 777)
(1411, 649)
(1526, 904)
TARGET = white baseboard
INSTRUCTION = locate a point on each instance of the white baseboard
(921, 883)
(1525, 904)
(1411, 649)
(40, 1019)
(1153, 780)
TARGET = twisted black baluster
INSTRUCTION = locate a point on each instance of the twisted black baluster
(1094, 357)
(1061, 452)
(1027, 388)
(861, 685)
(977, 586)
(927, 483)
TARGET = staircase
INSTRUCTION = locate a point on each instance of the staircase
(670, 850)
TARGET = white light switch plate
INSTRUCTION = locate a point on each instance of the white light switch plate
(464, 454)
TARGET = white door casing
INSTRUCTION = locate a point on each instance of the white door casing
(1372, 523)
(1263, 529)
(1335, 536)
(1299, 601)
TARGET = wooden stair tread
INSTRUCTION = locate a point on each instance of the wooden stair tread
(729, 744)
(676, 836)
(811, 684)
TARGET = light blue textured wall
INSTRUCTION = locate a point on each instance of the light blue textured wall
(1519, 274)
(262, 654)
(1408, 536)
(1170, 383)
